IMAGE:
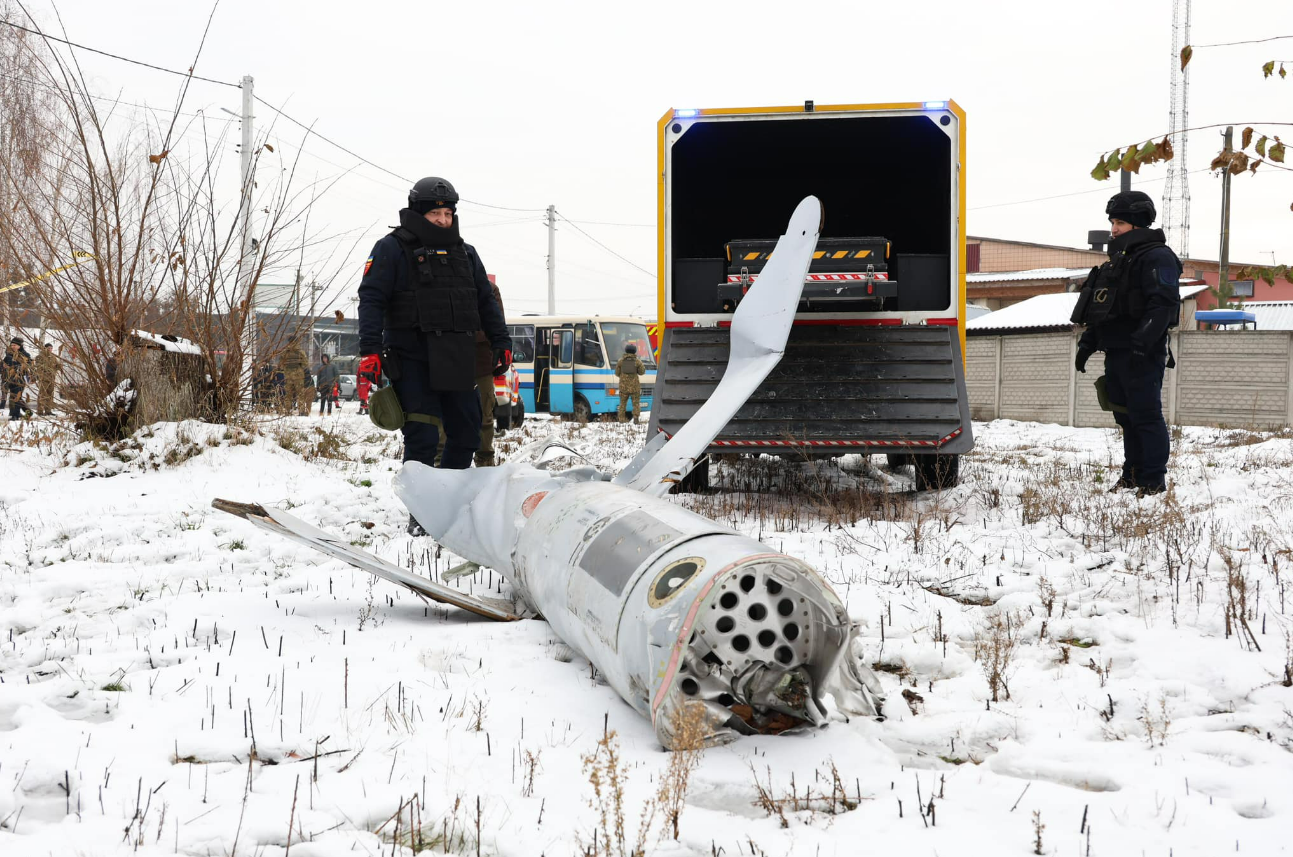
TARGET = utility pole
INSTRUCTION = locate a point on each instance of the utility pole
(246, 263)
(552, 260)
(1124, 181)
(1225, 222)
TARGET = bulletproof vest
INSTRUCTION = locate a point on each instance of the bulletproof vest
(441, 295)
(1111, 291)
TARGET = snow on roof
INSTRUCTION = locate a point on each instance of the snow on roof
(1191, 291)
(1049, 311)
(168, 342)
(1040, 311)
(1271, 315)
(1034, 274)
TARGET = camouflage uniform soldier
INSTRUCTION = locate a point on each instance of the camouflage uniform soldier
(295, 376)
(47, 366)
(628, 369)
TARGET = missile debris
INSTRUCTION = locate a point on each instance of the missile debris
(684, 617)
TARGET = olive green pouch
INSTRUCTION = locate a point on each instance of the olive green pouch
(384, 409)
(386, 412)
(1102, 395)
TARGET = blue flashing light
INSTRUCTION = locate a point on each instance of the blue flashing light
(686, 113)
(935, 105)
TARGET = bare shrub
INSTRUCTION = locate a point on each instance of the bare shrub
(607, 775)
(689, 732)
(995, 645)
(1157, 723)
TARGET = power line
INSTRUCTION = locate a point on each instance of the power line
(1075, 193)
(604, 247)
(501, 207)
(1245, 42)
(609, 223)
(310, 130)
(188, 74)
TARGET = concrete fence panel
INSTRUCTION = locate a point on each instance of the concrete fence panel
(1225, 378)
(1035, 370)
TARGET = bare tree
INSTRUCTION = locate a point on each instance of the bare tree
(25, 135)
(123, 229)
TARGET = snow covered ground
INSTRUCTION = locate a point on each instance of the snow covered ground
(175, 680)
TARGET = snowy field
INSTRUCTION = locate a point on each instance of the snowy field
(176, 681)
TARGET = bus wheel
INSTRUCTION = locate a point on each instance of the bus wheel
(583, 413)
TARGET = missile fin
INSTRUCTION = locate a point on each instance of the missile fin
(760, 328)
(289, 526)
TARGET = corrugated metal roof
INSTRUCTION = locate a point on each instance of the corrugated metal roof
(1054, 311)
(1271, 315)
(1035, 274)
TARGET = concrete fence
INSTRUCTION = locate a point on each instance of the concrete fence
(1222, 378)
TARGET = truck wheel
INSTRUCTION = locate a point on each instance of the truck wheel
(695, 482)
(518, 413)
(936, 472)
(503, 418)
(895, 460)
(583, 413)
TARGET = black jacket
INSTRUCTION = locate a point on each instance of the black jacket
(1156, 273)
(386, 271)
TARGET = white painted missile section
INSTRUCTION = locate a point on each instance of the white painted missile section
(760, 328)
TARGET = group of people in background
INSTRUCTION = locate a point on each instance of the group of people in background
(291, 387)
(19, 371)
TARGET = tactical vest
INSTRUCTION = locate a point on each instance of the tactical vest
(441, 302)
(442, 291)
(1111, 292)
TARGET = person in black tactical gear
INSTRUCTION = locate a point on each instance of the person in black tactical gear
(423, 296)
(1128, 304)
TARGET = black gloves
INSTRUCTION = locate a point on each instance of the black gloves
(1083, 355)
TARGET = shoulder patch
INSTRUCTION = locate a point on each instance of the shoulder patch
(368, 265)
(1167, 275)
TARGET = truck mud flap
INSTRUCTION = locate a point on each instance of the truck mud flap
(839, 388)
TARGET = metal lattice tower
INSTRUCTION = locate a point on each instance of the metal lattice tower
(1176, 195)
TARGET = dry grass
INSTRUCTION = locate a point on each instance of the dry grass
(827, 795)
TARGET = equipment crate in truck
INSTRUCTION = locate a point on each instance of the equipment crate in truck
(875, 359)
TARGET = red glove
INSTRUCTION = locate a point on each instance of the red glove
(502, 360)
(371, 364)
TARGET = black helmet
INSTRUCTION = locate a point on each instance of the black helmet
(433, 192)
(630, 348)
(1133, 206)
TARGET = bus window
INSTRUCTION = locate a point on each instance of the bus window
(522, 342)
(588, 349)
(566, 345)
(617, 334)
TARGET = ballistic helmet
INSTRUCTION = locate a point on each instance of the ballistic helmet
(1133, 206)
(630, 348)
(432, 192)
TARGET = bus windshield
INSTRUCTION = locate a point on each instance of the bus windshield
(617, 334)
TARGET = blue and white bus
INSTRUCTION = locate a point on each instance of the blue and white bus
(567, 363)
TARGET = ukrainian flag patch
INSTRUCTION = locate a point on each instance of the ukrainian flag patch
(368, 265)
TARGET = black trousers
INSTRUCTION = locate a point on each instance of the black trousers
(457, 413)
(1137, 383)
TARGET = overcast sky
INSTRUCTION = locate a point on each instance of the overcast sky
(522, 105)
